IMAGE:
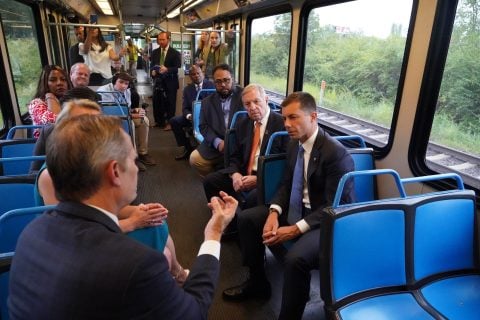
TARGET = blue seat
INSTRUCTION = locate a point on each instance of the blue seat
(196, 110)
(28, 127)
(270, 171)
(230, 136)
(14, 221)
(18, 165)
(410, 257)
(12, 149)
(5, 263)
(16, 192)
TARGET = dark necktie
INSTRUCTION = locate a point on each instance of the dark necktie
(296, 196)
(255, 143)
(162, 57)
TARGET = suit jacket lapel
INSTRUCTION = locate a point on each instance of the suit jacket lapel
(315, 155)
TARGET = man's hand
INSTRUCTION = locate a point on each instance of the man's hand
(221, 146)
(249, 182)
(283, 234)
(223, 211)
(271, 226)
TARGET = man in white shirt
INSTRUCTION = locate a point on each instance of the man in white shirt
(119, 92)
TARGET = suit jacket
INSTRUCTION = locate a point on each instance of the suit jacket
(244, 137)
(329, 161)
(73, 262)
(74, 55)
(173, 62)
(212, 123)
(41, 146)
(190, 94)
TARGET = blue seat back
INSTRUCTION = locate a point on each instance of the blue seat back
(444, 236)
(13, 149)
(270, 171)
(230, 136)
(28, 127)
(367, 250)
(365, 186)
(13, 222)
(196, 109)
(16, 192)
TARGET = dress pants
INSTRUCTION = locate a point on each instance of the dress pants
(178, 124)
(164, 103)
(302, 257)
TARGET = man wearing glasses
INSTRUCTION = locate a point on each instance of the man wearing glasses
(215, 117)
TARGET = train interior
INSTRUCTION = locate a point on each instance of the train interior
(179, 188)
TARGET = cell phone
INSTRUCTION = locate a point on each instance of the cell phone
(93, 19)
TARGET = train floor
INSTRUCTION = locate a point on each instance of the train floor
(176, 185)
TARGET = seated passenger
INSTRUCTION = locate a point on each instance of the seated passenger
(52, 85)
(120, 83)
(86, 267)
(131, 217)
(252, 133)
(80, 75)
(215, 117)
(181, 124)
(40, 144)
(315, 164)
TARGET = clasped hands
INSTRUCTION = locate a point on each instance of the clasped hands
(273, 234)
(243, 183)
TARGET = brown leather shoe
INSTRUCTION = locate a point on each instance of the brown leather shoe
(146, 159)
(168, 127)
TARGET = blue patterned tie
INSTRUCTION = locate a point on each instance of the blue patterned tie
(296, 196)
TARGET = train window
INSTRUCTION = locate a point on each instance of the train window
(23, 52)
(353, 60)
(268, 62)
(456, 123)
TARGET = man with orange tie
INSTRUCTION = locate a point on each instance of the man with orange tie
(315, 164)
(252, 133)
(165, 63)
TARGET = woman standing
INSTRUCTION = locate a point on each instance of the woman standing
(98, 55)
(202, 51)
(45, 106)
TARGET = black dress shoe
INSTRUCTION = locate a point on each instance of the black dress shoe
(247, 290)
(184, 155)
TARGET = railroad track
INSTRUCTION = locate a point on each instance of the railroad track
(439, 158)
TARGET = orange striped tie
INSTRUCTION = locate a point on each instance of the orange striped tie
(255, 143)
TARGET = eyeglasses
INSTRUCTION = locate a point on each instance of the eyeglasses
(219, 82)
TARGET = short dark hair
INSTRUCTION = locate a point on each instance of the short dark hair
(121, 75)
(222, 66)
(306, 100)
(80, 93)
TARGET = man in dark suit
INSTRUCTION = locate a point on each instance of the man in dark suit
(74, 261)
(165, 62)
(215, 117)
(74, 55)
(183, 123)
(315, 164)
(239, 177)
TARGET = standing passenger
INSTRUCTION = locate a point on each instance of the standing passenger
(183, 123)
(98, 55)
(165, 63)
(74, 52)
(215, 117)
(97, 272)
(132, 51)
(218, 51)
(201, 53)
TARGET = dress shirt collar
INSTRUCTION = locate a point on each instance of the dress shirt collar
(308, 145)
(108, 214)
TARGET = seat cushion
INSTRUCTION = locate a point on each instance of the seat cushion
(456, 297)
(401, 306)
